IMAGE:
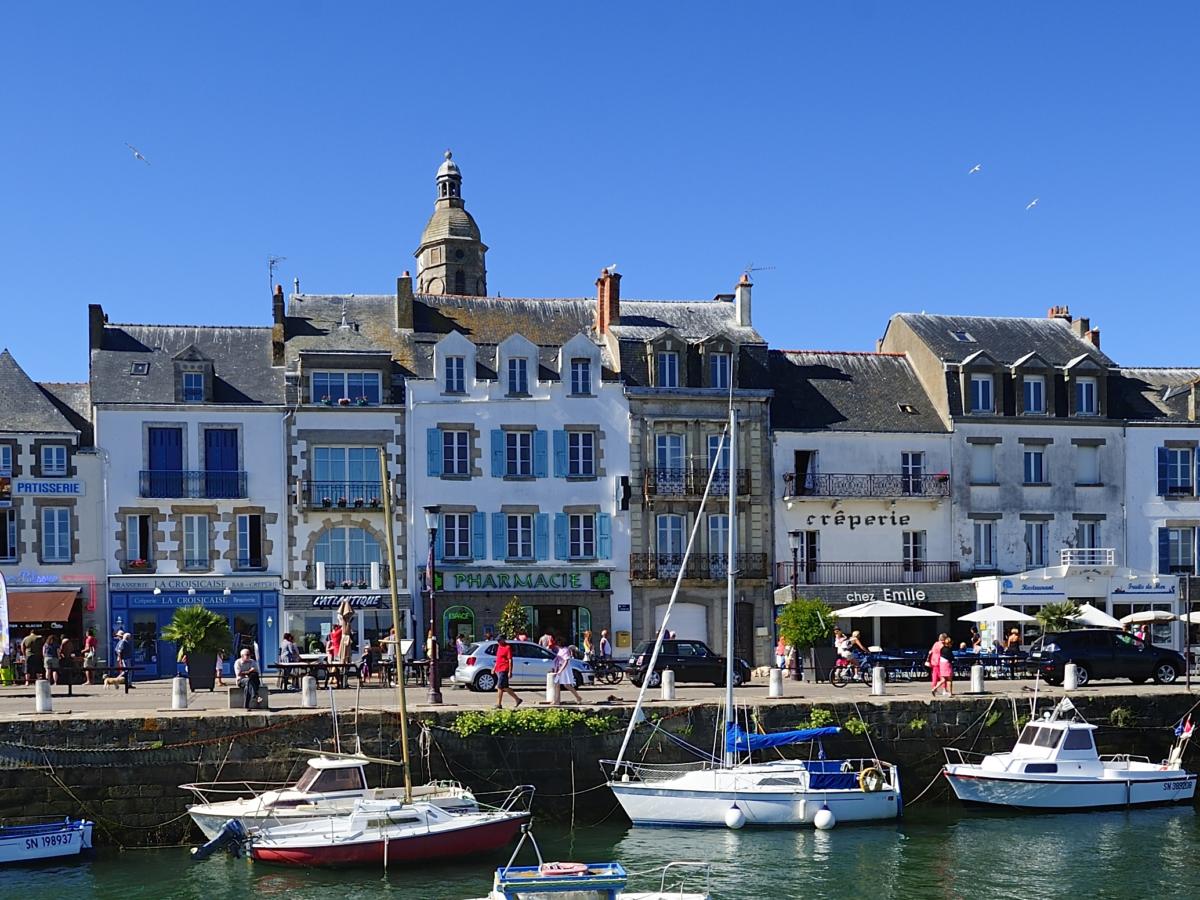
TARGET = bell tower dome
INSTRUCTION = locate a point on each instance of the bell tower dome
(450, 259)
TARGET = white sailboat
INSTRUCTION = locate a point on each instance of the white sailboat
(734, 790)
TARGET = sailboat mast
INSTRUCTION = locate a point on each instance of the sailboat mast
(730, 578)
(391, 549)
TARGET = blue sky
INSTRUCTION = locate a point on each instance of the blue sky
(682, 141)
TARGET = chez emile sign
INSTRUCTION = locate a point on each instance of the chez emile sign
(477, 580)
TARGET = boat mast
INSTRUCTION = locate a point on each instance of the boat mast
(730, 579)
(391, 544)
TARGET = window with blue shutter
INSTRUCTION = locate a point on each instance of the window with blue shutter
(541, 467)
(560, 454)
(498, 455)
(560, 534)
(499, 536)
(433, 452)
(1164, 551)
(541, 536)
(1163, 463)
(604, 536)
(479, 535)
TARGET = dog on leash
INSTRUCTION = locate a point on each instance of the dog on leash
(114, 681)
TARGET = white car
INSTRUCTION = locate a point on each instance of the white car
(531, 664)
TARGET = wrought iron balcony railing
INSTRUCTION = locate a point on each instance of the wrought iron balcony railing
(834, 484)
(700, 566)
(689, 481)
(353, 576)
(343, 494)
(915, 572)
(192, 485)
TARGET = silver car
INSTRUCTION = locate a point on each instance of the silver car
(531, 664)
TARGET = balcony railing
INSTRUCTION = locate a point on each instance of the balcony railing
(353, 576)
(923, 572)
(833, 484)
(192, 485)
(689, 481)
(1087, 556)
(700, 567)
(343, 494)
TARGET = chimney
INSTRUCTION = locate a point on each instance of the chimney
(741, 300)
(1059, 312)
(277, 305)
(1081, 327)
(404, 302)
(96, 320)
(608, 300)
(1093, 337)
(1191, 403)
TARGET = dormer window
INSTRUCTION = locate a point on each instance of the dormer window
(1034, 393)
(455, 375)
(1085, 397)
(581, 377)
(962, 336)
(668, 369)
(719, 367)
(518, 376)
(347, 388)
(982, 397)
(193, 387)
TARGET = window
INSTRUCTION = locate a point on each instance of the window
(1087, 464)
(670, 536)
(718, 545)
(56, 534)
(985, 544)
(1035, 544)
(193, 387)
(981, 394)
(1181, 551)
(346, 476)
(6, 452)
(1179, 471)
(345, 388)
(581, 454)
(983, 463)
(714, 447)
(1035, 466)
(668, 369)
(669, 475)
(581, 377)
(581, 536)
(138, 545)
(914, 551)
(520, 536)
(8, 535)
(456, 536)
(912, 466)
(455, 375)
(54, 460)
(718, 370)
(518, 454)
(1078, 739)
(250, 542)
(963, 337)
(518, 376)
(1087, 534)
(347, 554)
(1035, 395)
(1085, 397)
(456, 456)
(195, 542)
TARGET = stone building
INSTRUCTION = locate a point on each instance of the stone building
(451, 255)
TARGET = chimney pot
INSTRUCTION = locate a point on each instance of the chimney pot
(404, 302)
(741, 301)
(608, 300)
(1093, 337)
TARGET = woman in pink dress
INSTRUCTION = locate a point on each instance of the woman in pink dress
(934, 663)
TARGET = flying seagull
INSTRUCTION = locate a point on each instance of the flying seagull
(1032, 203)
(137, 154)
(975, 168)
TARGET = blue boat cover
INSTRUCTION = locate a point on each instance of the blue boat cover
(738, 740)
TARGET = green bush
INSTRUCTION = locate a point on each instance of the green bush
(817, 718)
(513, 619)
(195, 629)
(917, 724)
(1121, 717)
(855, 725)
(529, 722)
(992, 718)
(805, 623)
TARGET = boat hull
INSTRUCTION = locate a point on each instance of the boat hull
(466, 841)
(666, 806)
(20, 844)
(971, 785)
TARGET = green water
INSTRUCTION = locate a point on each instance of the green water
(934, 852)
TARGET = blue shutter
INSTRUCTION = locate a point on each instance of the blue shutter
(499, 536)
(497, 454)
(1162, 471)
(560, 454)
(1164, 551)
(561, 550)
(540, 467)
(479, 535)
(439, 541)
(541, 536)
(604, 536)
(433, 452)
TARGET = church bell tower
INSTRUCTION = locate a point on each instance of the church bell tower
(450, 259)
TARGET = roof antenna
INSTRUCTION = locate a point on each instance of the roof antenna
(750, 267)
(273, 264)
(344, 325)
(296, 285)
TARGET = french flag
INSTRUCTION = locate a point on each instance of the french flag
(1184, 728)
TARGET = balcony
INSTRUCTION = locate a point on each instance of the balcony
(343, 495)
(924, 572)
(1087, 556)
(192, 485)
(700, 567)
(345, 576)
(831, 484)
(689, 481)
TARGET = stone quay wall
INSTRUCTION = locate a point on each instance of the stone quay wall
(125, 773)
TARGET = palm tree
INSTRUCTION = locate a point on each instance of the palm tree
(1055, 616)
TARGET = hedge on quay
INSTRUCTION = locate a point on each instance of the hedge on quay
(529, 722)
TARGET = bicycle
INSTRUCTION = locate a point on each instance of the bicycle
(846, 671)
(608, 671)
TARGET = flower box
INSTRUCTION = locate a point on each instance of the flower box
(327, 502)
(343, 401)
(358, 502)
(374, 501)
(341, 502)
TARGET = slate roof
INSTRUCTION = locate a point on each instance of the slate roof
(1152, 395)
(25, 406)
(241, 358)
(819, 390)
(1005, 339)
(74, 401)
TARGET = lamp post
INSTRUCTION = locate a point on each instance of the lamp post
(794, 544)
(432, 516)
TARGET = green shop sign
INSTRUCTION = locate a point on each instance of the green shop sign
(472, 580)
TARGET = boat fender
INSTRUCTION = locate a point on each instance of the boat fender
(230, 837)
(734, 818)
(824, 819)
(563, 868)
(870, 780)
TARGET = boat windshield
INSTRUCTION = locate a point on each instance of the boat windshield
(1048, 737)
(1028, 735)
(331, 780)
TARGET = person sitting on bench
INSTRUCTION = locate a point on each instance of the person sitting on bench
(248, 676)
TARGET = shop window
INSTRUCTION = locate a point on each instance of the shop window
(54, 460)
(56, 534)
(458, 620)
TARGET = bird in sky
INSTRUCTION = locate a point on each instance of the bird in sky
(1033, 203)
(137, 154)
(975, 168)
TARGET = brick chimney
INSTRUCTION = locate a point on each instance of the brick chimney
(1059, 312)
(1081, 327)
(741, 301)
(1093, 337)
(608, 300)
(404, 302)
(277, 305)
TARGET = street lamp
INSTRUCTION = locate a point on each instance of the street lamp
(794, 544)
(432, 517)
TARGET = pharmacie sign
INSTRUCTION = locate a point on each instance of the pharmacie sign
(521, 580)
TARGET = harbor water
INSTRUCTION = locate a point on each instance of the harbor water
(936, 851)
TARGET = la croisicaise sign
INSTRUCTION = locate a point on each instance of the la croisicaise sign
(521, 580)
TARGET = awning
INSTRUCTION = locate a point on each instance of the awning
(40, 607)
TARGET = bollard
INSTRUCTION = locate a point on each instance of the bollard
(179, 689)
(776, 687)
(44, 703)
(308, 692)
(977, 679)
(1070, 677)
(878, 678)
(668, 684)
(551, 689)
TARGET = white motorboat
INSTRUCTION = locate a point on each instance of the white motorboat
(330, 785)
(46, 840)
(734, 790)
(1055, 766)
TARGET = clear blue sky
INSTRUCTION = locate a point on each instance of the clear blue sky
(681, 141)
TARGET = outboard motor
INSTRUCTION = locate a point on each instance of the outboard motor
(231, 837)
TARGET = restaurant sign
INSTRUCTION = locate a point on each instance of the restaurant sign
(478, 580)
(356, 601)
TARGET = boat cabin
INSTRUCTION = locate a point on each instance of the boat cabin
(333, 777)
(1049, 747)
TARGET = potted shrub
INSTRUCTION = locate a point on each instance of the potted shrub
(327, 502)
(374, 503)
(200, 634)
(807, 625)
(325, 401)
(358, 502)
(362, 401)
(341, 502)
(343, 401)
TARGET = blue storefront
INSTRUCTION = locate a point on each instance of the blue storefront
(144, 605)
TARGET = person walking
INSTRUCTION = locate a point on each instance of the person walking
(503, 671)
(942, 660)
(589, 649)
(89, 654)
(564, 673)
(50, 658)
(124, 653)
(245, 669)
(31, 648)
(605, 644)
(781, 653)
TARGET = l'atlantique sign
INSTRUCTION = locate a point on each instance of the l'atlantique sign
(470, 581)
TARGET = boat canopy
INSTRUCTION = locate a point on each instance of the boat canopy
(738, 740)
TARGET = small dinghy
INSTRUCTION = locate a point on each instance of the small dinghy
(1055, 766)
(51, 840)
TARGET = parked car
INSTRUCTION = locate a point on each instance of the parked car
(531, 664)
(689, 660)
(1103, 653)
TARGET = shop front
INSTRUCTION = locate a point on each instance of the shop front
(309, 618)
(144, 606)
(45, 612)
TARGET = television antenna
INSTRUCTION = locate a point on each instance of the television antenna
(751, 267)
(273, 264)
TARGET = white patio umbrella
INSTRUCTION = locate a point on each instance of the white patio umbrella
(882, 609)
(997, 613)
(1147, 615)
(1192, 618)
(1097, 618)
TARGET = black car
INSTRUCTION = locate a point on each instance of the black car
(689, 660)
(1100, 653)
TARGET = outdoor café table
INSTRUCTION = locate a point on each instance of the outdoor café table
(998, 665)
(418, 669)
(290, 673)
(318, 668)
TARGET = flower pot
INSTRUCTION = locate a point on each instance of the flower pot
(344, 401)
(327, 502)
(358, 502)
(341, 503)
(202, 670)
(374, 502)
